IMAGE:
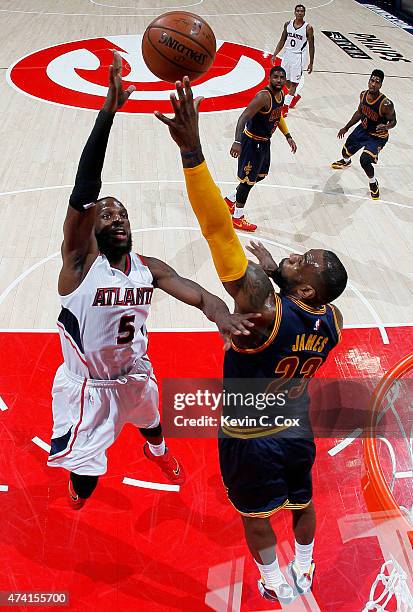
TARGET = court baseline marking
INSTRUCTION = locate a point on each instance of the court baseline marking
(3, 405)
(358, 293)
(166, 181)
(309, 8)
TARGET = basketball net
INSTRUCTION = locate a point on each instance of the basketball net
(393, 580)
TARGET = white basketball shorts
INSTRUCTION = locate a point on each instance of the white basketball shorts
(88, 415)
(294, 65)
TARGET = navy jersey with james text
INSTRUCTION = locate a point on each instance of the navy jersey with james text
(300, 342)
(372, 114)
(264, 123)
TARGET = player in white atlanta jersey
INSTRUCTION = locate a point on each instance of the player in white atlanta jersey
(105, 289)
(297, 39)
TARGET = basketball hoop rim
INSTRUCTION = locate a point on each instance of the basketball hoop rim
(376, 479)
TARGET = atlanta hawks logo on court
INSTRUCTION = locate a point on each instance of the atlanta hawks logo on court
(75, 74)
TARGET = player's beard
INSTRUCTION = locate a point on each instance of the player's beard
(280, 280)
(111, 250)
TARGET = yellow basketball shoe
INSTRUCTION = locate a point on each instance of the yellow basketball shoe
(375, 191)
(341, 164)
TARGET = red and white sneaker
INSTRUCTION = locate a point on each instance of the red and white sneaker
(75, 502)
(284, 593)
(243, 224)
(169, 465)
(284, 110)
(302, 582)
(231, 205)
(294, 101)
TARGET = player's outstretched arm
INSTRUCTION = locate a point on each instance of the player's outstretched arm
(246, 282)
(311, 48)
(79, 246)
(280, 44)
(264, 257)
(259, 102)
(189, 292)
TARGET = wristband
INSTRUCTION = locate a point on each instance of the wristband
(237, 141)
(193, 153)
(288, 135)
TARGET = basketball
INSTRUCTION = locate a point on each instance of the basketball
(178, 44)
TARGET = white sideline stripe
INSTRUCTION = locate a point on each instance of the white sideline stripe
(344, 443)
(145, 484)
(177, 181)
(408, 474)
(4, 488)
(41, 444)
(3, 405)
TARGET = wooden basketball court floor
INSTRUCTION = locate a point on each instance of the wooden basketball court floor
(137, 548)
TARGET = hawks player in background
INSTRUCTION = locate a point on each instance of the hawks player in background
(377, 116)
(105, 290)
(297, 40)
(252, 144)
(262, 472)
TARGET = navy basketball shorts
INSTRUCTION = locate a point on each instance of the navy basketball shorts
(264, 475)
(360, 138)
(254, 160)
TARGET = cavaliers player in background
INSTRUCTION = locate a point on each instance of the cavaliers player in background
(252, 144)
(297, 40)
(377, 116)
(262, 470)
(105, 290)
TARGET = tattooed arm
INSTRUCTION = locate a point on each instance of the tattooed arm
(254, 292)
(251, 290)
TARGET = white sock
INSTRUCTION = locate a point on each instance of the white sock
(271, 574)
(157, 449)
(303, 556)
(373, 181)
(288, 99)
(238, 213)
(232, 196)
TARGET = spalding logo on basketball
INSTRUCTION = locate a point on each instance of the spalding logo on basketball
(75, 74)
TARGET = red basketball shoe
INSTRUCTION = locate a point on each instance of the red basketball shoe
(231, 205)
(169, 465)
(243, 224)
(75, 502)
(294, 101)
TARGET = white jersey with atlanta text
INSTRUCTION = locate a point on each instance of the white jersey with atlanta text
(296, 38)
(102, 322)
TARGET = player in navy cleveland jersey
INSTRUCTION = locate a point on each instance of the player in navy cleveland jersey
(292, 338)
(252, 144)
(377, 116)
